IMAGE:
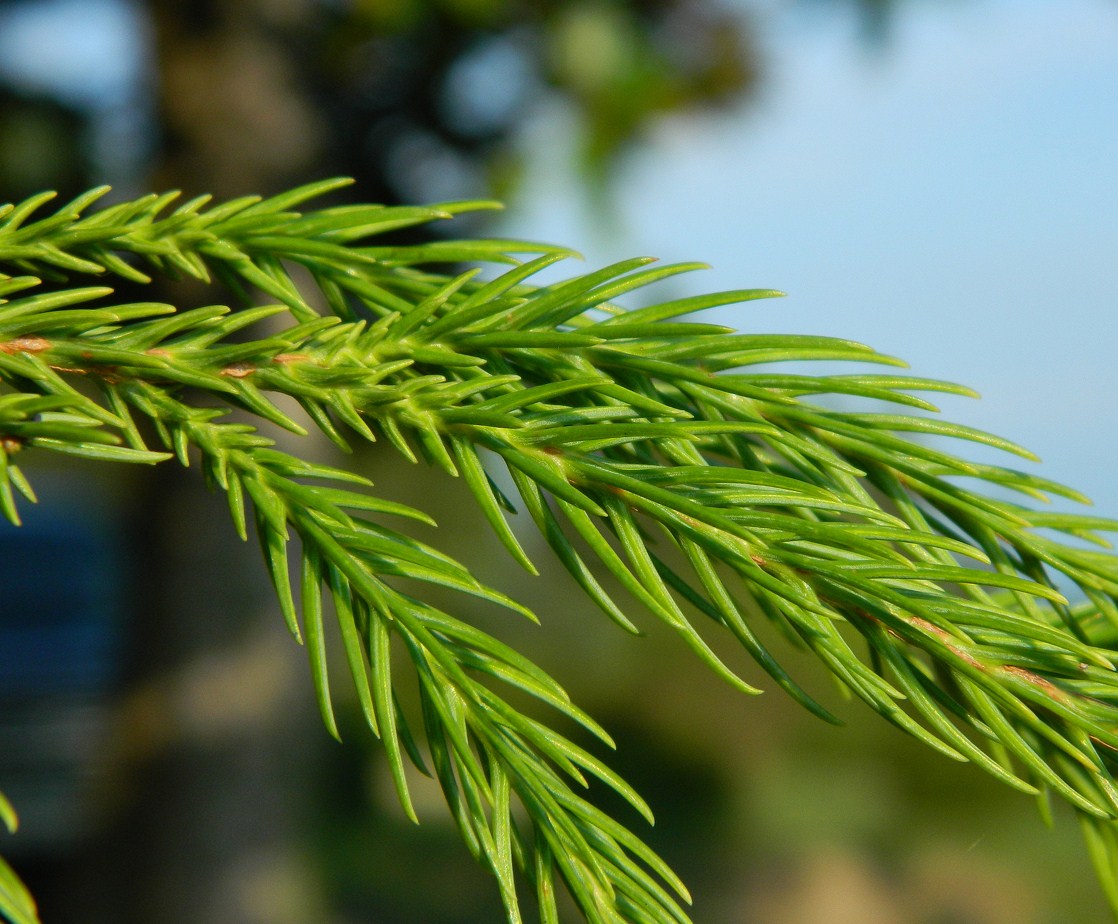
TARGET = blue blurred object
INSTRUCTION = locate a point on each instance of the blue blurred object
(58, 625)
(60, 658)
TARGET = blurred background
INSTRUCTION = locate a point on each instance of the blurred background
(934, 177)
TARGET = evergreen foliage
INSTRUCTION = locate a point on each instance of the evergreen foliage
(638, 443)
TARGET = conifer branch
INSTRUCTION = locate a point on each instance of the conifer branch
(899, 564)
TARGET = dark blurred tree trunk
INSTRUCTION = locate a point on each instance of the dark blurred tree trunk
(209, 752)
(217, 715)
(232, 113)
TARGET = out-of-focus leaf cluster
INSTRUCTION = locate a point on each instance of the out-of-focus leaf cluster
(453, 83)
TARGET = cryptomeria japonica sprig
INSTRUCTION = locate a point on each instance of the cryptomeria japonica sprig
(933, 601)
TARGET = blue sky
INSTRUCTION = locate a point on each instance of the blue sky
(91, 54)
(86, 51)
(951, 198)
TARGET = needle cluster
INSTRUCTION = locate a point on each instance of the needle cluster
(666, 453)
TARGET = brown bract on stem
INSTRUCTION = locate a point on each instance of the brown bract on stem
(239, 370)
(30, 344)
